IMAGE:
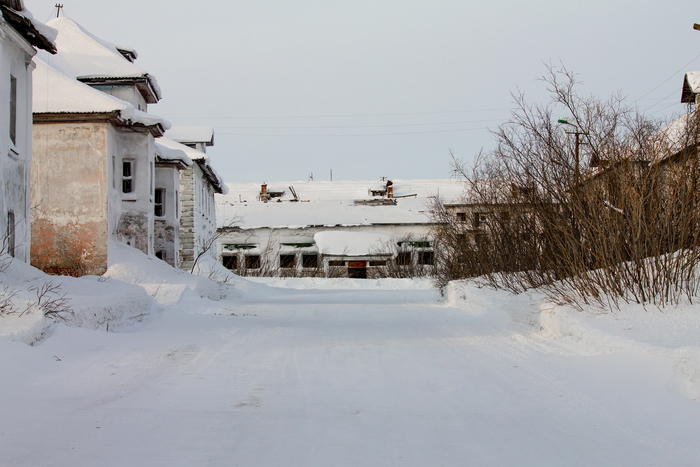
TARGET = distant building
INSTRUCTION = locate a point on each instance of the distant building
(20, 36)
(93, 172)
(341, 228)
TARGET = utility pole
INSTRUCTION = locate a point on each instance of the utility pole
(59, 7)
(577, 133)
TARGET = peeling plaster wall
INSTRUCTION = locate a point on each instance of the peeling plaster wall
(69, 198)
(166, 238)
(77, 195)
(135, 224)
(15, 158)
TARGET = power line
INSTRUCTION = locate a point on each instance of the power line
(340, 115)
(670, 77)
(353, 126)
(353, 135)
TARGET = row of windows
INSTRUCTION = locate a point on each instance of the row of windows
(289, 261)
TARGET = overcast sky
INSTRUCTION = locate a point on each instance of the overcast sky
(382, 88)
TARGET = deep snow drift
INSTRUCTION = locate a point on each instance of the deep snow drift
(221, 370)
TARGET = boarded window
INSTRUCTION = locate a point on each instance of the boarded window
(310, 261)
(403, 258)
(159, 202)
(13, 109)
(230, 262)
(127, 176)
(287, 261)
(252, 262)
(426, 257)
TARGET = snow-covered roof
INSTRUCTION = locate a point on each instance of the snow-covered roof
(164, 153)
(55, 92)
(353, 243)
(35, 32)
(691, 87)
(192, 134)
(333, 203)
(85, 56)
(202, 159)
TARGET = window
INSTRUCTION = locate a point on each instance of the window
(309, 261)
(177, 204)
(230, 262)
(426, 258)
(153, 176)
(127, 176)
(479, 220)
(336, 264)
(287, 261)
(377, 263)
(252, 262)
(13, 109)
(114, 172)
(159, 202)
(403, 258)
(11, 233)
(160, 255)
(462, 216)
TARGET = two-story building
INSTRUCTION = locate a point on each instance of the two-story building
(93, 173)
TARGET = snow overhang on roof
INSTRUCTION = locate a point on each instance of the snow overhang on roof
(192, 135)
(202, 160)
(166, 155)
(691, 87)
(36, 33)
(55, 93)
(92, 60)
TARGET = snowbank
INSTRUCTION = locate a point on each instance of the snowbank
(161, 281)
(90, 302)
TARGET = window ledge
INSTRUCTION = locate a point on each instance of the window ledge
(128, 196)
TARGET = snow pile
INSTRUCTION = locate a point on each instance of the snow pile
(161, 281)
(165, 153)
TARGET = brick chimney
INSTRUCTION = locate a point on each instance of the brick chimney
(389, 189)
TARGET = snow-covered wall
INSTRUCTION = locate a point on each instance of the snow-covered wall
(198, 215)
(167, 226)
(15, 156)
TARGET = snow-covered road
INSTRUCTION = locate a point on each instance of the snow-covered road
(336, 378)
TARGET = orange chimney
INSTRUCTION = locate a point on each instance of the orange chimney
(389, 189)
(263, 192)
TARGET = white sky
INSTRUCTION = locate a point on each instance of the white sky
(382, 88)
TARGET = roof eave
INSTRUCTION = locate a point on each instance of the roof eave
(27, 30)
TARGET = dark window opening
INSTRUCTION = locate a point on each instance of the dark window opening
(13, 109)
(377, 263)
(462, 216)
(403, 258)
(357, 273)
(159, 202)
(252, 262)
(309, 261)
(336, 264)
(287, 261)
(127, 177)
(478, 220)
(230, 262)
(426, 258)
(160, 255)
(11, 233)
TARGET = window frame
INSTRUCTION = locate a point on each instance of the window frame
(128, 178)
(162, 192)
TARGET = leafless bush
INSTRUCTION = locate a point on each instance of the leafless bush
(622, 225)
(51, 302)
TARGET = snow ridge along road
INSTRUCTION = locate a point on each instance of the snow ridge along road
(313, 373)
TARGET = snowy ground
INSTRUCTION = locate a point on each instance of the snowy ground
(345, 372)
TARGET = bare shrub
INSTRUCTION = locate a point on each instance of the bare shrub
(608, 211)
